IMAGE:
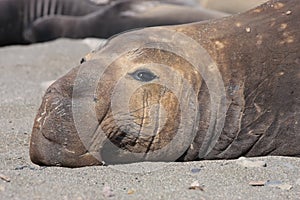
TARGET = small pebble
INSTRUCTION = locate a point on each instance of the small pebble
(248, 29)
(5, 178)
(288, 12)
(130, 191)
(251, 163)
(196, 186)
(257, 183)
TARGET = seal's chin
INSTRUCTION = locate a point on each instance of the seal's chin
(49, 152)
(46, 152)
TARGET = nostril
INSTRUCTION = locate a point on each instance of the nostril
(82, 60)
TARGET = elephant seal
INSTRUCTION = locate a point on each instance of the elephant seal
(17, 15)
(208, 90)
(43, 20)
(118, 17)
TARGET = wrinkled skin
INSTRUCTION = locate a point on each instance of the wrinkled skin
(257, 56)
(43, 20)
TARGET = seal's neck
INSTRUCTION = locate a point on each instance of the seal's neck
(248, 49)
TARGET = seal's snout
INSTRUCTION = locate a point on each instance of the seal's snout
(54, 139)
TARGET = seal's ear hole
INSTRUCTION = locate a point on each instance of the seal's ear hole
(143, 75)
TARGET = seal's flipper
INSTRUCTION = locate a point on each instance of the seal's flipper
(114, 19)
(51, 27)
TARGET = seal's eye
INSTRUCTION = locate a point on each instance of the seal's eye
(143, 75)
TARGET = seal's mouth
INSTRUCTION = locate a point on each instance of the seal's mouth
(54, 139)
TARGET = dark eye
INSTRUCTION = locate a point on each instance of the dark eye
(143, 75)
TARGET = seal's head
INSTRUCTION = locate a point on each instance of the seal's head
(129, 101)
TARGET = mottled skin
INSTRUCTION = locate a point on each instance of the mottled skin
(258, 56)
(43, 20)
